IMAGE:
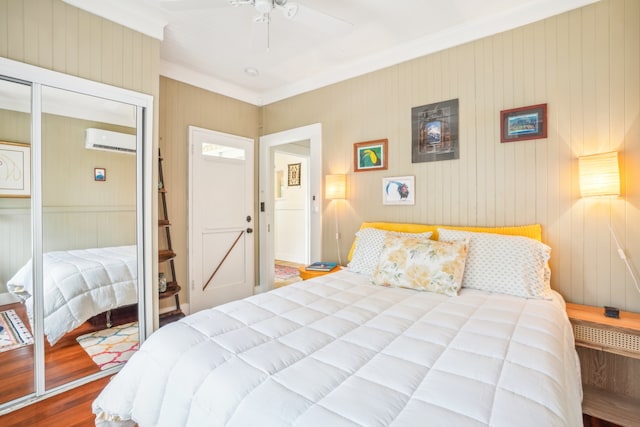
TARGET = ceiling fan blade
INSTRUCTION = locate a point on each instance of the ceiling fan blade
(184, 5)
(319, 21)
(240, 2)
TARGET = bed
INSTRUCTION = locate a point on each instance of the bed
(353, 348)
(78, 285)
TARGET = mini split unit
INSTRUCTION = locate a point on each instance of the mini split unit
(98, 139)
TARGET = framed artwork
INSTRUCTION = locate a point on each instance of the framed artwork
(399, 190)
(293, 174)
(370, 155)
(99, 174)
(521, 124)
(434, 132)
(15, 169)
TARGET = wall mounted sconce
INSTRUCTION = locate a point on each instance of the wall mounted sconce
(335, 188)
(600, 176)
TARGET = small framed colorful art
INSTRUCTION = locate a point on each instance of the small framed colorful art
(399, 190)
(521, 124)
(370, 155)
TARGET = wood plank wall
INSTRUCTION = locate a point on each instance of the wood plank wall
(54, 35)
(585, 64)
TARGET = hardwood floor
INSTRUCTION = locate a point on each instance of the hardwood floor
(589, 421)
(72, 408)
(65, 361)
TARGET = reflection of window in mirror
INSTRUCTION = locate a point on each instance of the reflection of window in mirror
(279, 185)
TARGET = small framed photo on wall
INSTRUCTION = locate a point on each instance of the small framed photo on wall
(293, 174)
(15, 169)
(399, 190)
(370, 155)
(99, 174)
(523, 123)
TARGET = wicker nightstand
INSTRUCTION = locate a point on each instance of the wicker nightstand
(609, 352)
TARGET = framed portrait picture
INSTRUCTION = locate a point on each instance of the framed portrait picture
(370, 155)
(15, 169)
(521, 124)
(99, 174)
(293, 174)
(399, 190)
(434, 132)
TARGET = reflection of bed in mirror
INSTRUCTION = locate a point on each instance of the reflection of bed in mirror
(81, 285)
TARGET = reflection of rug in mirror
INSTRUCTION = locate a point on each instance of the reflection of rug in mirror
(284, 272)
(111, 347)
(13, 333)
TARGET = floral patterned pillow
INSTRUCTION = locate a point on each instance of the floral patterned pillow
(421, 264)
(369, 243)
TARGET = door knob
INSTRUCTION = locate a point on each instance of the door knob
(249, 230)
(248, 218)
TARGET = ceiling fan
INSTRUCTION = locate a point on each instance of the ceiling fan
(311, 19)
(264, 7)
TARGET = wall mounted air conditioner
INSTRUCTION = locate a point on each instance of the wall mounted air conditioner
(98, 139)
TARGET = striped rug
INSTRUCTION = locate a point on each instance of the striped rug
(111, 347)
(13, 333)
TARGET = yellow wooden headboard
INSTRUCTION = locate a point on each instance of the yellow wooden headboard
(533, 231)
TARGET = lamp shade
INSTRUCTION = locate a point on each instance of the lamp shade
(335, 186)
(599, 175)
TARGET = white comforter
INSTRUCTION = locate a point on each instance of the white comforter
(336, 351)
(78, 285)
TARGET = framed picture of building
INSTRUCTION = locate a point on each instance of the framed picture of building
(434, 132)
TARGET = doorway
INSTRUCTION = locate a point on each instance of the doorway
(303, 142)
(291, 211)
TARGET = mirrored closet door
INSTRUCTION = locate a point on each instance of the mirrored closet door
(75, 227)
(16, 338)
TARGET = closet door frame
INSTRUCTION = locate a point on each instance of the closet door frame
(38, 78)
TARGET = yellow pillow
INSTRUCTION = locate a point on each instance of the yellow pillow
(533, 231)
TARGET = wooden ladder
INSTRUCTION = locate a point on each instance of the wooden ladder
(167, 254)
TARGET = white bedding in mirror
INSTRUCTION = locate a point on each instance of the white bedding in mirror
(79, 284)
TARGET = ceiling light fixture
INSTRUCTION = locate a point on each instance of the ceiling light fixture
(264, 8)
(251, 71)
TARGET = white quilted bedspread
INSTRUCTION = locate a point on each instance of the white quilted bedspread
(336, 351)
(78, 285)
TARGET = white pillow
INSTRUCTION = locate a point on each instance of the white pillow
(369, 245)
(513, 265)
(422, 264)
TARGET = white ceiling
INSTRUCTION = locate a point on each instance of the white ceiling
(209, 43)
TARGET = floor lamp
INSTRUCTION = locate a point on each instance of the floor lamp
(600, 177)
(335, 188)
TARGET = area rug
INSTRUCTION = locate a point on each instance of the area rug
(111, 347)
(13, 333)
(284, 272)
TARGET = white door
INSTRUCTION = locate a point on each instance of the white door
(221, 221)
